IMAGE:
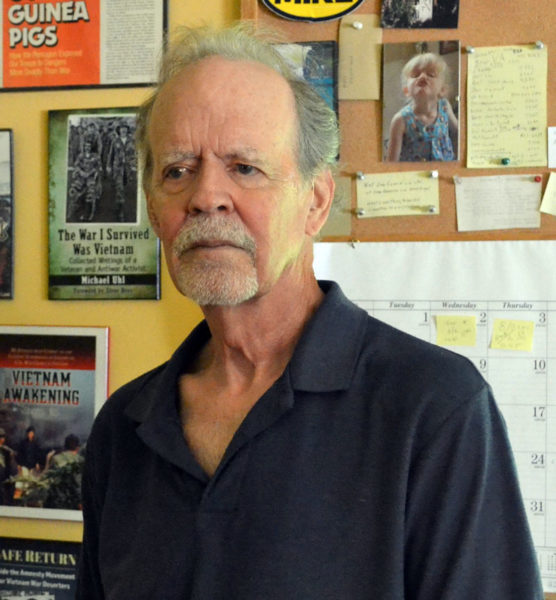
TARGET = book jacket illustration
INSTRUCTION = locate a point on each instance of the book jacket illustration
(101, 244)
(53, 381)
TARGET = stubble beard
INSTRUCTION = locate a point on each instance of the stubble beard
(218, 281)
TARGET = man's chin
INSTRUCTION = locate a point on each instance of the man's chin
(213, 286)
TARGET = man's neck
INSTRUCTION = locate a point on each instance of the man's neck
(257, 338)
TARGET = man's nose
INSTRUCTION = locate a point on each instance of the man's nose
(212, 191)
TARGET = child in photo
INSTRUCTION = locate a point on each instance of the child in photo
(424, 128)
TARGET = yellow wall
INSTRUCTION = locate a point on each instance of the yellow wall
(142, 333)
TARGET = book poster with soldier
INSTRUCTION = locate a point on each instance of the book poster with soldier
(38, 569)
(101, 244)
(53, 381)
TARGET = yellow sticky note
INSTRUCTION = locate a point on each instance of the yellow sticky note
(513, 335)
(507, 107)
(549, 199)
(397, 194)
(456, 330)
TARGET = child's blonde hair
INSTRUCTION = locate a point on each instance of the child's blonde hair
(424, 60)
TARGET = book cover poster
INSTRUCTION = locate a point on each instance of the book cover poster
(88, 43)
(101, 244)
(38, 569)
(53, 380)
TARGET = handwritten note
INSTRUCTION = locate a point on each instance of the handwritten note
(360, 42)
(397, 194)
(513, 335)
(456, 330)
(552, 147)
(498, 202)
(506, 107)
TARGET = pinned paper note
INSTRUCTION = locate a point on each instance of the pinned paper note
(552, 147)
(360, 41)
(498, 202)
(456, 330)
(397, 194)
(548, 204)
(513, 335)
(506, 107)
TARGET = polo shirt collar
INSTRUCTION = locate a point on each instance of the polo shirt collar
(324, 359)
(326, 354)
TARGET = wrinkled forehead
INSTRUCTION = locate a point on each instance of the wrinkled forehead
(223, 89)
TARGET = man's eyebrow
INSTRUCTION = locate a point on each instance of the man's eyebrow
(177, 156)
(245, 154)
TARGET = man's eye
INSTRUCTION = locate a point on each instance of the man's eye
(174, 172)
(244, 169)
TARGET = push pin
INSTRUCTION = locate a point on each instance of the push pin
(434, 174)
(538, 178)
(539, 45)
(357, 25)
(431, 210)
(505, 161)
(360, 212)
(470, 49)
(360, 175)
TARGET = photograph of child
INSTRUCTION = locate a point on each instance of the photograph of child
(420, 101)
(410, 14)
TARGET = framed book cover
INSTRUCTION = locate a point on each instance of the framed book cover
(101, 244)
(33, 569)
(92, 43)
(53, 381)
(6, 214)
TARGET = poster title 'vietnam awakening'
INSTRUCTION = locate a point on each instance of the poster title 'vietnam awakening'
(41, 387)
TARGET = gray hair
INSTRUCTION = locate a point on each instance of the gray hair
(318, 136)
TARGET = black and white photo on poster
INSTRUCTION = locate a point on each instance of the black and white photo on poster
(413, 14)
(101, 169)
(6, 214)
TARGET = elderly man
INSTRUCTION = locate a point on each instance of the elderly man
(293, 447)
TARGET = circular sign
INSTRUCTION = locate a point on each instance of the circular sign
(312, 10)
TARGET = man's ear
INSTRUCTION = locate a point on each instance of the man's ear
(321, 202)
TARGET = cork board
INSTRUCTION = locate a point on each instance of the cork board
(481, 23)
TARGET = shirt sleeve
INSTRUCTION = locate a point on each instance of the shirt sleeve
(467, 534)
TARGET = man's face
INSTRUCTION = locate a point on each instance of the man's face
(225, 197)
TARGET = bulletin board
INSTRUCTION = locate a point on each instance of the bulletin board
(482, 23)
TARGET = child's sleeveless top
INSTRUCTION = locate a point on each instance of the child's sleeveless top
(426, 142)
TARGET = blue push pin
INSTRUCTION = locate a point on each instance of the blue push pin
(505, 161)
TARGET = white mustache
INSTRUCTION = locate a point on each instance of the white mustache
(212, 230)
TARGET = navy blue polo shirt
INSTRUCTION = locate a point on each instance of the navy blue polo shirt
(377, 467)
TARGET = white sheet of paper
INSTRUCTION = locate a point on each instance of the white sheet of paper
(410, 284)
(498, 202)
